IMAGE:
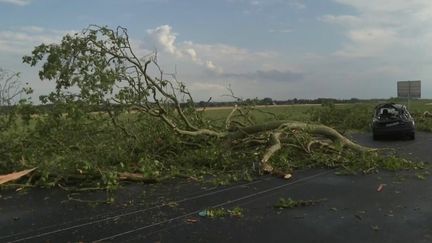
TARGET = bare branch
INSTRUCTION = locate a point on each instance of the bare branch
(10, 87)
(228, 119)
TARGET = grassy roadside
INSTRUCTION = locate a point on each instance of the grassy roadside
(74, 148)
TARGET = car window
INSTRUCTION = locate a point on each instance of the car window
(389, 111)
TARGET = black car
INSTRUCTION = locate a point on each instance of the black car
(392, 119)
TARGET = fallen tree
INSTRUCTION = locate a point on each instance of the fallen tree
(101, 66)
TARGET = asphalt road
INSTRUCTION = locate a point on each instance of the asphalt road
(351, 209)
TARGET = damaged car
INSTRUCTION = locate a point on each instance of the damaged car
(392, 119)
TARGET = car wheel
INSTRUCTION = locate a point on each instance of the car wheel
(412, 136)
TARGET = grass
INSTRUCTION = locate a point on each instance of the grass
(89, 145)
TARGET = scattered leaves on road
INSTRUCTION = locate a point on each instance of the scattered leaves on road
(222, 212)
(375, 227)
(381, 187)
(290, 203)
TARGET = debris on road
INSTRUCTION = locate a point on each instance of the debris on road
(375, 227)
(381, 187)
(191, 220)
(14, 176)
(290, 203)
(221, 212)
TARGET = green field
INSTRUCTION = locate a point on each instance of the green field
(288, 112)
(352, 116)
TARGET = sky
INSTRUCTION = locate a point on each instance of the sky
(282, 49)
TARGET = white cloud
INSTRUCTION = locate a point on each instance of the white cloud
(386, 28)
(207, 68)
(17, 2)
(22, 40)
(369, 42)
(232, 59)
(345, 20)
(32, 29)
(224, 52)
(206, 87)
(386, 6)
(259, 6)
(372, 35)
(280, 30)
(164, 39)
(265, 76)
(210, 65)
(297, 4)
(192, 53)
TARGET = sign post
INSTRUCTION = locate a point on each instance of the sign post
(409, 89)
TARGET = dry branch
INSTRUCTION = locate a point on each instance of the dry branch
(127, 176)
(14, 176)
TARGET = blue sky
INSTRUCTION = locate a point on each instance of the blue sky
(282, 49)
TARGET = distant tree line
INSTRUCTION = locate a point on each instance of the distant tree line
(256, 101)
(294, 101)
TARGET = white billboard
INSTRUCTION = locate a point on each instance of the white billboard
(409, 89)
